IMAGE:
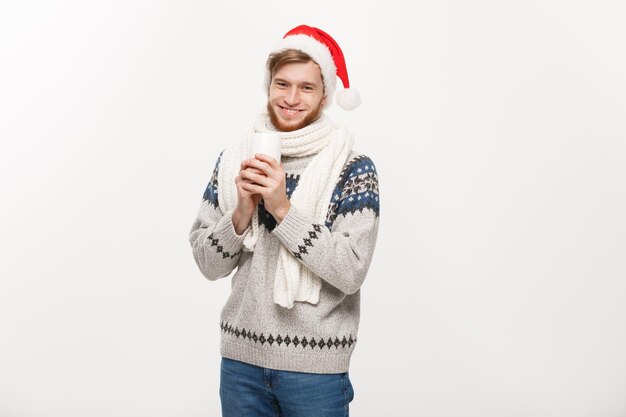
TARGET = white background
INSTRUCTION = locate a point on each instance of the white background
(498, 130)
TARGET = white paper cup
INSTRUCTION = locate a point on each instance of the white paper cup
(267, 143)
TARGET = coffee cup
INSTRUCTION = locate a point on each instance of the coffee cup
(267, 143)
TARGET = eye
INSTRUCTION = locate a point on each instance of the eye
(308, 88)
(280, 84)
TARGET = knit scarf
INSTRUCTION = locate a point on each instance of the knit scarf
(331, 146)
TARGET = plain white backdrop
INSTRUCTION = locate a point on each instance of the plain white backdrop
(498, 285)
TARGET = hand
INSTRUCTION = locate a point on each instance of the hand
(267, 178)
(246, 202)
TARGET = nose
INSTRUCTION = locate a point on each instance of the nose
(292, 98)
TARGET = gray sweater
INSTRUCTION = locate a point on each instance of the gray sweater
(306, 338)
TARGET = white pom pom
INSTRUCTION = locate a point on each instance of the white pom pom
(348, 98)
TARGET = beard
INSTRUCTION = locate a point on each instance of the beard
(283, 127)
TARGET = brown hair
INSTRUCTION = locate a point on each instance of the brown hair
(277, 60)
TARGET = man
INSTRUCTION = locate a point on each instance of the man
(301, 234)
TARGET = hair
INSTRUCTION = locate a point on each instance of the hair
(277, 60)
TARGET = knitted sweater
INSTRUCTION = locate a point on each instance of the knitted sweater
(306, 338)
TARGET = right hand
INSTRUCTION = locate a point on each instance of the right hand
(246, 202)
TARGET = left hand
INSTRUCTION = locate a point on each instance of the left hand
(271, 185)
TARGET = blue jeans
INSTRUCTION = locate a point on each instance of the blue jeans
(252, 391)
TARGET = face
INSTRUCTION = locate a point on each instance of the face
(296, 96)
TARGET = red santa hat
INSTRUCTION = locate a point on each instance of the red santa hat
(323, 49)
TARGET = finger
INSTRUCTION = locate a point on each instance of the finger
(253, 188)
(260, 165)
(256, 178)
(254, 171)
(268, 159)
(240, 179)
(243, 191)
(245, 164)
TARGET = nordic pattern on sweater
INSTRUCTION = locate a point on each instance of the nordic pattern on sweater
(356, 189)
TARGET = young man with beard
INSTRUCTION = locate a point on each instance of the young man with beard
(301, 234)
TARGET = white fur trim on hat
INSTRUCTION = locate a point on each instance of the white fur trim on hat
(320, 54)
(348, 98)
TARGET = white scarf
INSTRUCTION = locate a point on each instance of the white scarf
(331, 146)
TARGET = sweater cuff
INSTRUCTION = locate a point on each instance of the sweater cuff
(292, 228)
(225, 232)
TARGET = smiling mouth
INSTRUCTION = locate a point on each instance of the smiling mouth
(288, 111)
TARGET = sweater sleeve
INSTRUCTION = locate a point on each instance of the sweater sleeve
(339, 251)
(215, 243)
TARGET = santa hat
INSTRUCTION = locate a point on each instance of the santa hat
(326, 53)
